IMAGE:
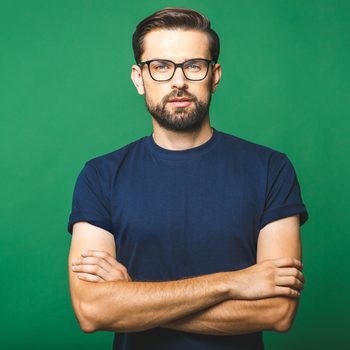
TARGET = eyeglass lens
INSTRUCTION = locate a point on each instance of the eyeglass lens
(164, 70)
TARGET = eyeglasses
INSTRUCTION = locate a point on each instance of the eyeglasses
(163, 70)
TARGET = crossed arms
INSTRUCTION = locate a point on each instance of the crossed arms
(261, 297)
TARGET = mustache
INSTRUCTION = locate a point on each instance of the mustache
(179, 93)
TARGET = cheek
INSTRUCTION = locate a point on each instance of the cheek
(155, 92)
(204, 93)
(203, 90)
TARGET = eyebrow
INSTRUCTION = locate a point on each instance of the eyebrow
(168, 59)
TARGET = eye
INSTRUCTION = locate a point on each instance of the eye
(161, 66)
(194, 66)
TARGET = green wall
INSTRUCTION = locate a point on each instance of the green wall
(66, 96)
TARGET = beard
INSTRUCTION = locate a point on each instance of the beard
(181, 119)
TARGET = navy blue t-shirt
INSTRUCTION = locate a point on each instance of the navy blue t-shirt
(177, 214)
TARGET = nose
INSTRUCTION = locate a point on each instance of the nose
(179, 80)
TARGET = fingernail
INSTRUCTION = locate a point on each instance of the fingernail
(84, 253)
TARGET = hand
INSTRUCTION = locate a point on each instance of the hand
(269, 278)
(99, 266)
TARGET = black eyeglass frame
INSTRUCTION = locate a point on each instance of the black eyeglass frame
(176, 65)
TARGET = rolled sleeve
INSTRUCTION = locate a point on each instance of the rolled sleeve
(283, 194)
(89, 202)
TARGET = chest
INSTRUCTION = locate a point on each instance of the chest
(187, 212)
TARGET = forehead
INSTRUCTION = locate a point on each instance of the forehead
(177, 45)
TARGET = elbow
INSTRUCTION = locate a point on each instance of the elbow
(283, 326)
(285, 315)
(91, 318)
(86, 326)
(88, 316)
(85, 318)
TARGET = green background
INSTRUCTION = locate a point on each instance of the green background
(66, 97)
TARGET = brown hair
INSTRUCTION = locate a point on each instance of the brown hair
(175, 18)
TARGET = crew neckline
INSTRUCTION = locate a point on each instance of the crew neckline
(185, 154)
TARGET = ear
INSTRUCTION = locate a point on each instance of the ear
(216, 77)
(136, 77)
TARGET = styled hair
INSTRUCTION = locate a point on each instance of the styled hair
(175, 18)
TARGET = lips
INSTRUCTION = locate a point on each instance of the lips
(180, 102)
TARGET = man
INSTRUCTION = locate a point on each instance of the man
(188, 238)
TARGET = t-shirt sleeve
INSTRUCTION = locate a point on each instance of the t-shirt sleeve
(283, 194)
(89, 200)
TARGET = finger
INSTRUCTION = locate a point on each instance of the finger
(91, 269)
(116, 275)
(289, 262)
(285, 291)
(93, 261)
(120, 275)
(291, 271)
(123, 270)
(100, 254)
(108, 257)
(89, 278)
(116, 264)
(290, 281)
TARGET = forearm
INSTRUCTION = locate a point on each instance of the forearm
(125, 306)
(136, 306)
(233, 317)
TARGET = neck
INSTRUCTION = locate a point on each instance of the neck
(177, 141)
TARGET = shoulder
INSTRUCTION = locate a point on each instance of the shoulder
(251, 152)
(111, 161)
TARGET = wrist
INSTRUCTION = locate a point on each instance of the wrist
(232, 286)
(227, 284)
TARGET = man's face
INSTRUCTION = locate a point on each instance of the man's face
(178, 104)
